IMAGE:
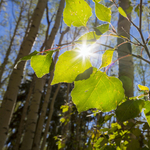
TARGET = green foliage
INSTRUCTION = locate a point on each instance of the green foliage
(143, 88)
(98, 91)
(147, 111)
(28, 57)
(101, 29)
(89, 38)
(69, 65)
(122, 12)
(107, 58)
(129, 109)
(41, 64)
(102, 12)
(76, 13)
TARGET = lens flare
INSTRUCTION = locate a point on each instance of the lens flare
(84, 51)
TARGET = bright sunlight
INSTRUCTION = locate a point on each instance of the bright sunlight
(84, 51)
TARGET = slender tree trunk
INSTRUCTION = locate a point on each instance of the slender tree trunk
(32, 115)
(2, 67)
(32, 121)
(49, 118)
(23, 115)
(39, 128)
(10, 96)
(126, 69)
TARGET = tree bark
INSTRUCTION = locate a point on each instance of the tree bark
(2, 67)
(49, 117)
(32, 121)
(10, 96)
(126, 68)
(39, 128)
(23, 115)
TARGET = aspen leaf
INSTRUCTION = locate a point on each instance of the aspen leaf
(129, 109)
(89, 38)
(99, 91)
(107, 58)
(41, 64)
(101, 29)
(69, 66)
(143, 88)
(76, 13)
(102, 12)
(122, 12)
(28, 57)
(147, 111)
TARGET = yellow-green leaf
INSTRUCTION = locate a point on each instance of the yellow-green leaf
(102, 12)
(89, 38)
(143, 88)
(122, 12)
(41, 64)
(99, 91)
(69, 65)
(101, 29)
(107, 58)
(147, 111)
(77, 13)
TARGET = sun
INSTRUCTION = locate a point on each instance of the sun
(84, 51)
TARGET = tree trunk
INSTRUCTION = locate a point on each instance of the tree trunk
(49, 118)
(2, 67)
(32, 115)
(126, 69)
(32, 121)
(39, 128)
(10, 96)
(23, 115)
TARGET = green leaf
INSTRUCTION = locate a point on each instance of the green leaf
(129, 10)
(85, 75)
(41, 64)
(29, 56)
(122, 12)
(101, 142)
(143, 88)
(101, 29)
(64, 108)
(147, 111)
(102, 13)
(137, 10)
(89, 38)
(25, 58)
(129, 109)
(62, 120)
(69, 66)
(77, 13)
(107, 58)
(98, 91)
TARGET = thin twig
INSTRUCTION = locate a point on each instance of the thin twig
(140, 19)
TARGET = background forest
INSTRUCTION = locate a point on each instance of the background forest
(38, 114)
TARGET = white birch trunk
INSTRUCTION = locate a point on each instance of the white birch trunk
(126, 69)
(10, 96)
(32, 116)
